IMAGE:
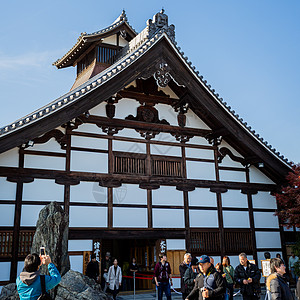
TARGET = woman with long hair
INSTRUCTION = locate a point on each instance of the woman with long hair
(229, 275)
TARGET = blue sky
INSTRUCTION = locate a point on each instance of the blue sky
(248, 51)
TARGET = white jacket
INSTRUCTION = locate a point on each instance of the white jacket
(113, 279)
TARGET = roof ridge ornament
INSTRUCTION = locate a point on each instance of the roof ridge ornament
(160, 22)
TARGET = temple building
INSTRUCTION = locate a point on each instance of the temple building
(143, 155)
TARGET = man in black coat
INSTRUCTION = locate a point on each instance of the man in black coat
(209, 283)
(92, 269)
(247, 275)
(182, 268)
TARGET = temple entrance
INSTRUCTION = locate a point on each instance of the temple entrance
(144, 250)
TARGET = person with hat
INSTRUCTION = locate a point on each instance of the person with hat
(209, 283)
(105, 265)
(190, 275)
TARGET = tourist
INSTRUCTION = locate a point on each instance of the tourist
(190, 276)
(163, 277)
(292, 260)
(247, 275)
(209, 283)
(29, 281)
(92, 269)
(133, 269)
(114, 278)
(229, 275)
(276, 283)
(182, 269)
(105, 265)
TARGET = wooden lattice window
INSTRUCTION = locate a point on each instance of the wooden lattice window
(166, 167)
(237, 241)
(25, 242)
(129, 164)
(205, 242)
(6, 238)
(106, 54)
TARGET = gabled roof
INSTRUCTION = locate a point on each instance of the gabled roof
(155, 44)
(85, 40)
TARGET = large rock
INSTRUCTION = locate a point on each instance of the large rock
(75, 286)
(9, 292)
(52, 233)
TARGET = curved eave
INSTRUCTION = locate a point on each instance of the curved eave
(85, 40)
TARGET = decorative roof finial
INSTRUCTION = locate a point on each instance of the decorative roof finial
(162, 10)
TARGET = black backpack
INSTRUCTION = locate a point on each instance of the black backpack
(44, 295)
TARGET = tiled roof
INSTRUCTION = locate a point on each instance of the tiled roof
(83, 38)
(136, 48)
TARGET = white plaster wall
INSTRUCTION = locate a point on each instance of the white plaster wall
(130, 133)
(130, 217)
(234, 152)
(264, 200)
(199, 153)
(81, 216)
(7, 213)
(165, 150)
(89, 128)
(122, 42)
(228, 162)
(267, 239)
(176, 283)
(89, 142)
(80, 245)
(234, 260)
(98, 110)
(112, 40)
(236, 219)
(44, 162)
(200, 170)
(126, 107)
(256, 176)
(7, 189)
(89, 192)
(167, 90)
(168, 218)
(43, 189)
(52, 146)
(20, 267)
(167, 112)
(176, 244)
(265, 220)
(9, 158)
(203, 218)
(76, 262)
(197, 140)
(129, 147)
(165, 137)
(89, 162)
(167, 195)
(288, 229)
(4, 270)
(202, 197)
(192, 120)
(30, 214)
(129, 194)
(234, 198)
(226, 175)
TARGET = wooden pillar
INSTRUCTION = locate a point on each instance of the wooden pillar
(110, 189)
(17, 222)
(149, 208)
(68, 168)
(251, 216)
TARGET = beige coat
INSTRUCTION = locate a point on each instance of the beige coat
(113, 279)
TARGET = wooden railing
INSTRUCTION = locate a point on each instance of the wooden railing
(6, 240)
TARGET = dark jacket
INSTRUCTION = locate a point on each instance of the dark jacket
(188, 279)
(251, 271)
(278, 287)
(105, 265)
(92, 270)
(214, 283)
(182, 268)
